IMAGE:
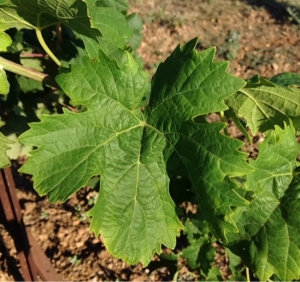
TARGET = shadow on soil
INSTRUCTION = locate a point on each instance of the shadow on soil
(279, 11)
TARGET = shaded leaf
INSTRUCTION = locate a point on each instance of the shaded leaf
(29, 85)
(32, 63)
(286, 79)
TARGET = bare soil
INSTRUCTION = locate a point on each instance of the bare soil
(258, 37)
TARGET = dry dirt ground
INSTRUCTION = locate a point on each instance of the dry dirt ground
(258, 37)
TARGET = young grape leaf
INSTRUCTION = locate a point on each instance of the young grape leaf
(264, 104)
(200, 252)
(4, 146)
(214, 274)
(236, 266)
(268, 238)
(131, 150)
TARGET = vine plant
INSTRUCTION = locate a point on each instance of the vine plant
(141, 149)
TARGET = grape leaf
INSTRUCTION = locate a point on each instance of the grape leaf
(33, 14)
(4, 146)
(87, 18)
(5, 41)
(131, 149)
(200, 252)
(23, 14)
(214, 274)
(119, 5)
(18, 42)
(113, 26)
(4, 84)
(264, 104)
(286, 79)
(100, 24)
(236, 266)
(136, 26)
(180, 92)
(268, 238)
(29, 85)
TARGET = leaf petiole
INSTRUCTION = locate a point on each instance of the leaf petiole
(41, 40)
(224, 120)
(248, 274)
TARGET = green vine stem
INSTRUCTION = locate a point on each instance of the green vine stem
(41, 40)
(27, 72)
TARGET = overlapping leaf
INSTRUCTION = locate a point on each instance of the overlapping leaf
(268, 238)
(132, 151)
(264, 104)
